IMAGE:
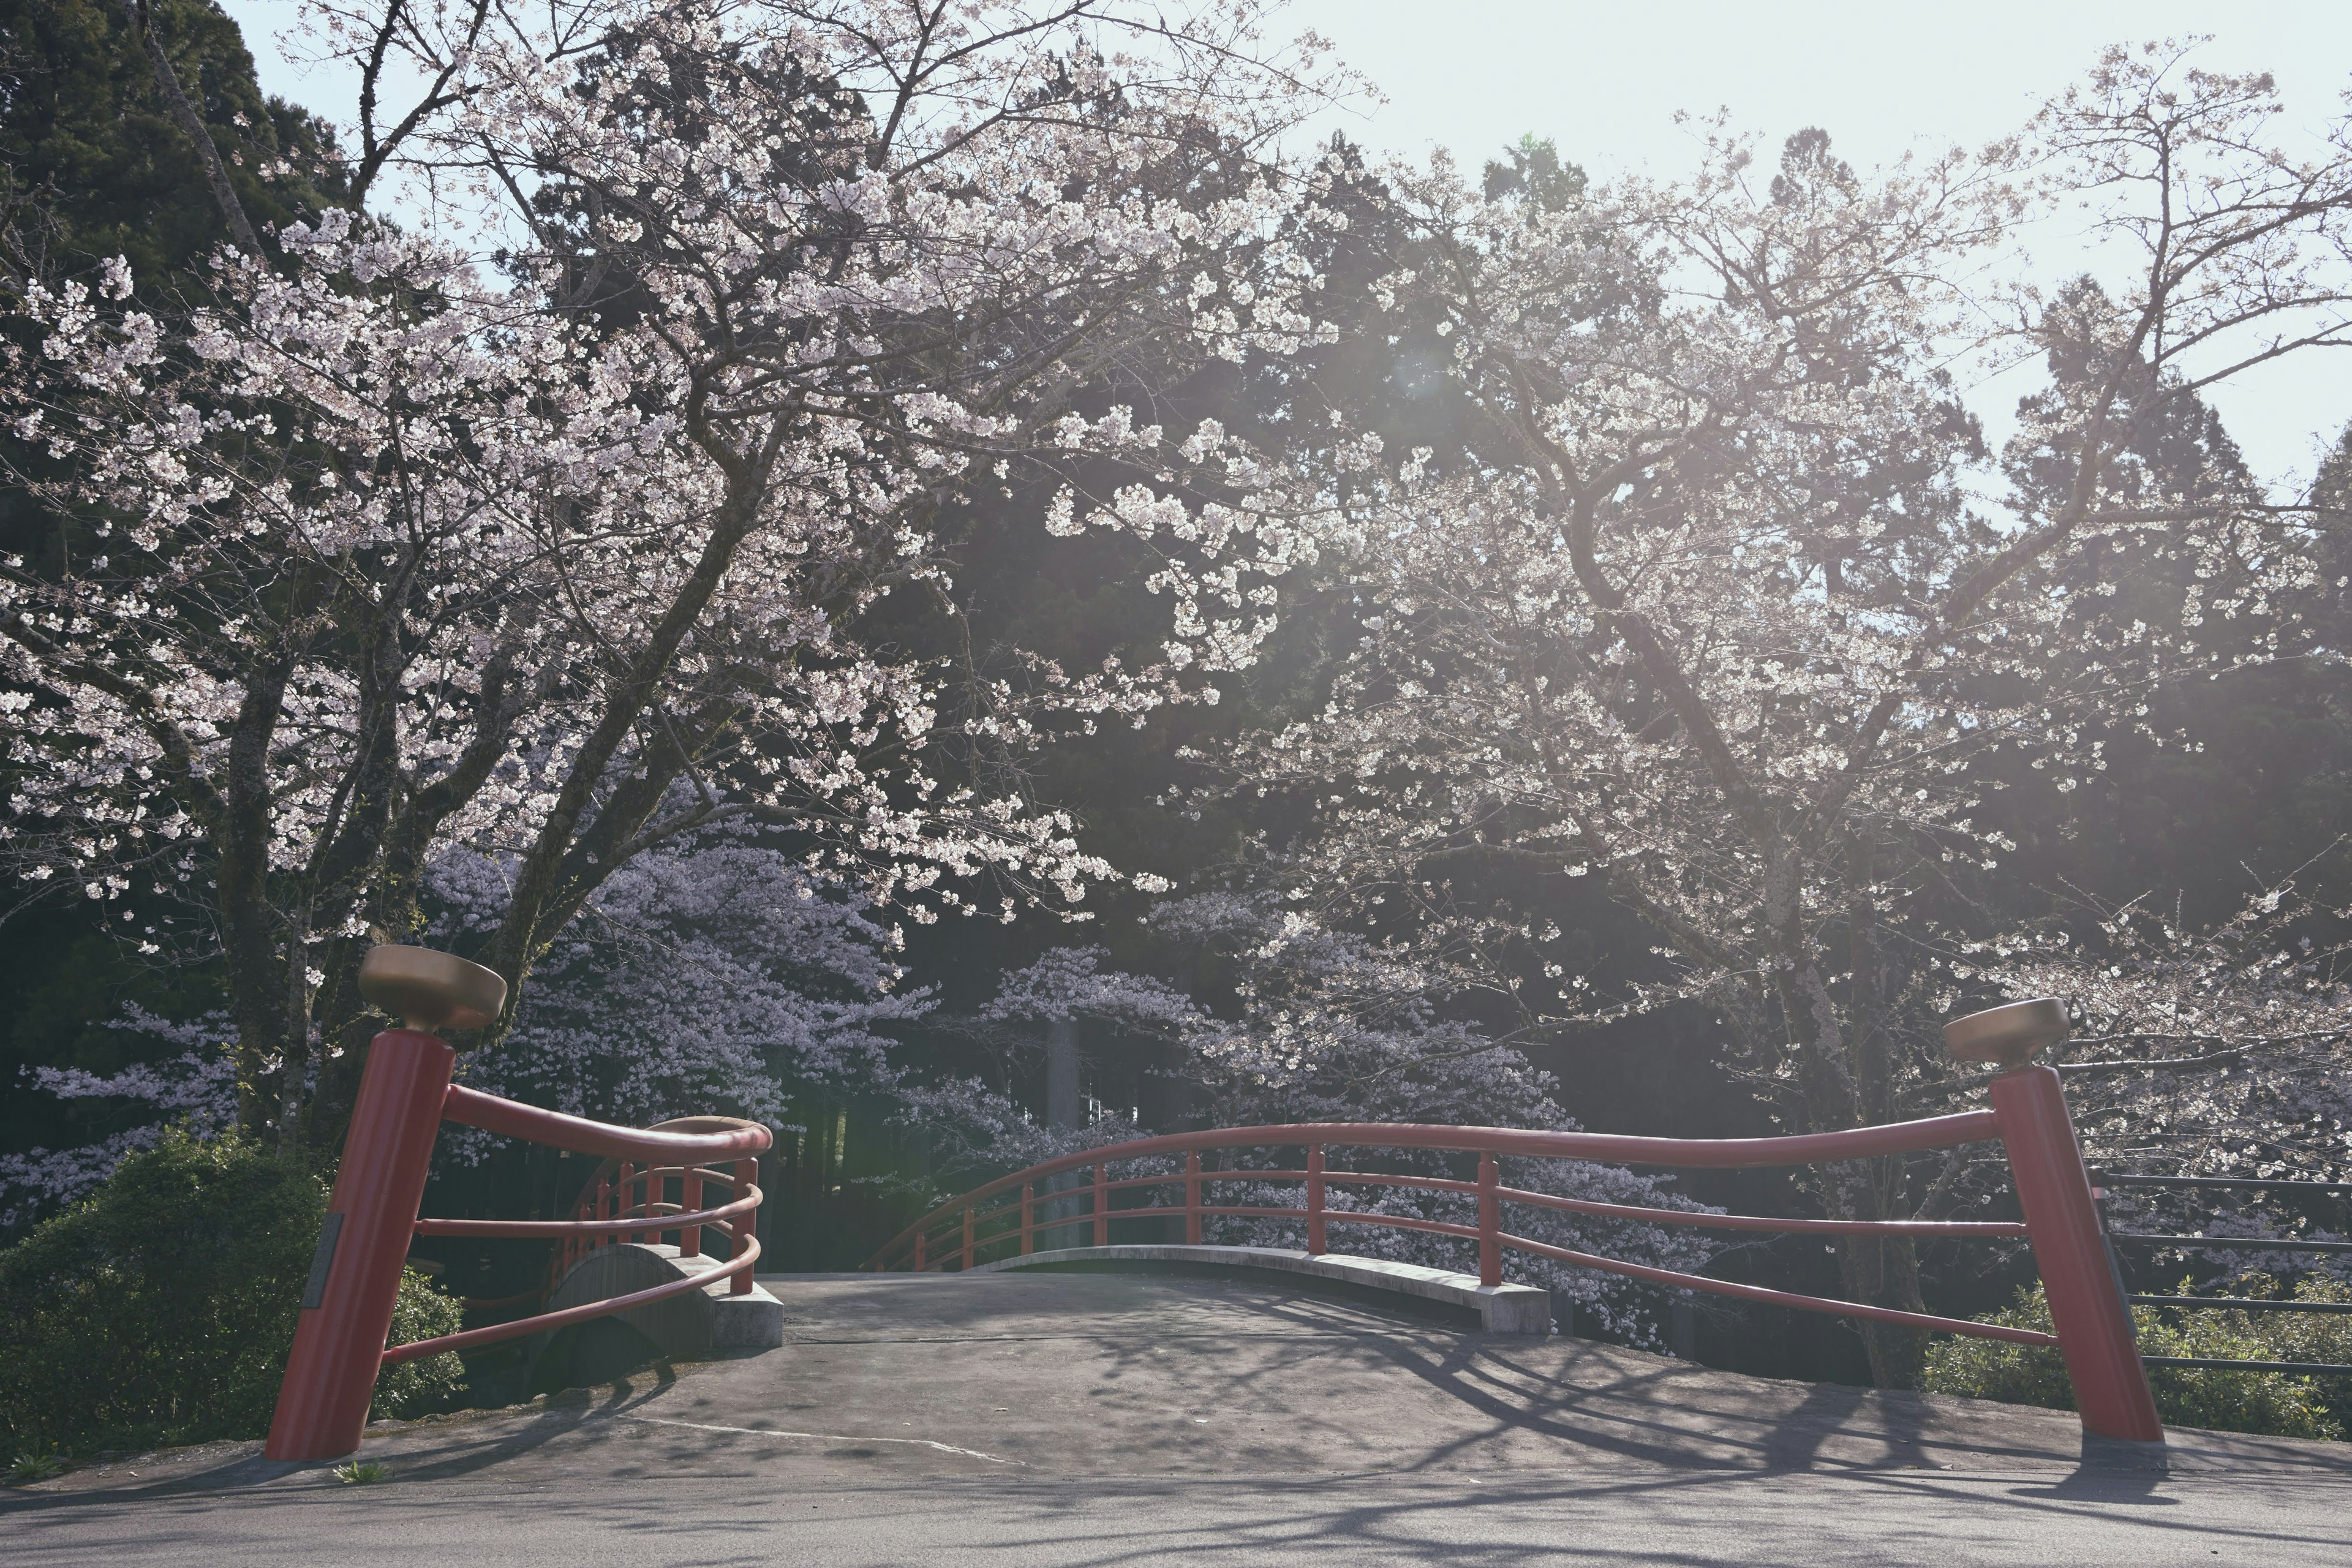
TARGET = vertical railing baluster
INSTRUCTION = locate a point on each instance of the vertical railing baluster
(1191, 1197)
(920, 1263)
(690, 1196)
(745, 1228)
(1102, 1202)
(965, 1261)
(1028, 1218)
(1314, 1243)
(1490, 1221)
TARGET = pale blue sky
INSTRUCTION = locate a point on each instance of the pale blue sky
(1605, 81)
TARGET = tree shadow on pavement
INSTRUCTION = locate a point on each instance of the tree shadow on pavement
(433, 1448)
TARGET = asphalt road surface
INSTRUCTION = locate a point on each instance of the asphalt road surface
(1121, 1419)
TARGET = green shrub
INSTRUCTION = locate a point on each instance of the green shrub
(1997, 1369)
(2273, 1403)
(420, 1311)
(160, 1310)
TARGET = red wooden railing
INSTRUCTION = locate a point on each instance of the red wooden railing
(404, 1096)
(2029, 1117)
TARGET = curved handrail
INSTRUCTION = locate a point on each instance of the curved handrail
(1622, 1149)
(1932, 1228)
(1490, 1196)
(732, 1219)
(664, 1216)
(1738, 1292)
(472, 1108)
(546, 1322)
(405, 1094)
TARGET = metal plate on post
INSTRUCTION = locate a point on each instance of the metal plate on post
(322, 1261)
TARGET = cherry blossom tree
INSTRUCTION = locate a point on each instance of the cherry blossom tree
(711, 973)
(1722, 601)
(968, 1126)
(2220, 1050)
(196, 1087)
(384, 551)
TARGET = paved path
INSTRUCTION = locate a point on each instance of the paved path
(1116, 1419)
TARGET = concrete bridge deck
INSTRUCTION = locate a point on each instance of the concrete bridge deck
(1114, 1419)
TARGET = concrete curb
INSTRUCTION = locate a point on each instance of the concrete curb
(1501, 1309)
(685, 1326)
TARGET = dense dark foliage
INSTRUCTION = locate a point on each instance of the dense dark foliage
(160, 1310)
(83, 132)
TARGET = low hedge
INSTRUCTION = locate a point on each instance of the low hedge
(2276, 1403)
(160, 1310)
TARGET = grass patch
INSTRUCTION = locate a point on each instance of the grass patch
(34, 1468)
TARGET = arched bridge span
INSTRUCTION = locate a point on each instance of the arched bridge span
(1068, 1207)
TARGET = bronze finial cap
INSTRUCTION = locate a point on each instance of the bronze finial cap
(428, 991)
(2008, 1036)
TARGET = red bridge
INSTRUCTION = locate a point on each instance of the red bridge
(407, 1093)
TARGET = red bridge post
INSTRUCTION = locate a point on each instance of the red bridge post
(745, 1228)
(1191, 1197)
(322, 1405)
(2094, 1324)
(1315, 1244)
(2053, 1189)
(1490, 1221)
